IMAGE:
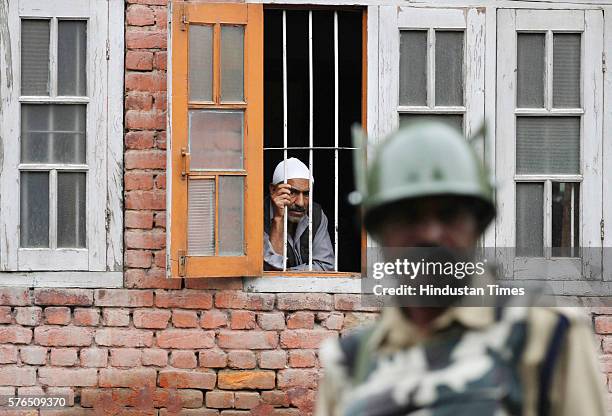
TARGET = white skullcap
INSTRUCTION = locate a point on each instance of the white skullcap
(296, 169)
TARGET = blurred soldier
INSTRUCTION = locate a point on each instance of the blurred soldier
(427, 188)
(295, 196)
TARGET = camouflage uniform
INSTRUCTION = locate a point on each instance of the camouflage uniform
(473, 361)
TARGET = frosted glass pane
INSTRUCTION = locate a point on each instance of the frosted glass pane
(529, 219)
(232, 63)
(200, 62)
(565, 219)
(53, 133)
(453, 120)
(201, 217)
(71, 206)
(566, 70)
(72, 57)
(215, 139)
(35, 57)
(34, 207)
(449, 68)
(413, 67)
(548, 145)
(231, 215)
(530, 70)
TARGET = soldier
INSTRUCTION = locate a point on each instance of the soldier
(427, 188)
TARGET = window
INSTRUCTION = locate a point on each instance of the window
(62, 138)
(549, 139)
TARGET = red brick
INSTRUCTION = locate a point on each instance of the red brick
(184, 319)
(5, 315)
(217, 283)
(188, 299)
(273, 359)
(250, 379)
(275, 398)
(86, 317)
(115, 317)
(17, 376)
(159, 259)
(271, 321)
(242, 300)
(183, 359)
(300, 320)
(333, 321)
(305, 338)
(246, 400)
(349, 302)
(33, 355)
(139, 219)
(219, 399)
(28, 316)
(151, 318)
(139, 15)
(135, 180)
(146, 200)
(213, 319)
(241, 359)
(63, 356)
(191, 398)
(63, 297)
(302, 359)
(65, 336)
(68, 377)
(145, 81)
(160, 181)
(162, 143)
(187, 379)
(213, 359)
(156, 357)
(66, 392)
(15, 335)
(57, 315)
(124, 297)
(302, 398)
(300, 301)
(138, 258)
(151, 2)
(139, 140)
(603, 324)
(15, 296)
(143, 120)
(252, 340)
(139, 101)
(242, 320)
(161, 17)
(94, 357)
(139, 60)
(160, 222)
(134, 377)
(358, 319)
(125, 357)
(141, 39)
(119, 337)
(298, 378)
(150, 279)
(160, 60)
(185, 338)
(8, 354)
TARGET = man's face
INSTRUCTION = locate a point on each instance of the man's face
(300, 198)
(444, 221)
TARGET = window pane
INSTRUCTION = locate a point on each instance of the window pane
(72, 57)
(215, 139)
(449, 68)
(34, 57)
(71, 206)
(548, 145)
(530, 70)
(530, 219)
(34, 201)
(566, 70)
(231, 215)
(200, 62)
(413, 67)
(232, 63)
(53, 133)
(565, 219)
(201, 217)
(453, 120)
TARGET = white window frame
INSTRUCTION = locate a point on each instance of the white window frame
(590, 23)
(100, 264)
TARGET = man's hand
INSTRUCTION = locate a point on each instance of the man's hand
(281, 198)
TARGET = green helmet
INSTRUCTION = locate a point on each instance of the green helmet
(424, 159)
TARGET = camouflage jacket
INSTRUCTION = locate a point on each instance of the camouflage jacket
(474, 361)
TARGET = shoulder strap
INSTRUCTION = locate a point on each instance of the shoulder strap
(549, 364)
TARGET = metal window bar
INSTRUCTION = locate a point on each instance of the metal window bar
(285, 134)
(336, 141)
(310, 141)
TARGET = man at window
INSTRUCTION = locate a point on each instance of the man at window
(295, 197)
